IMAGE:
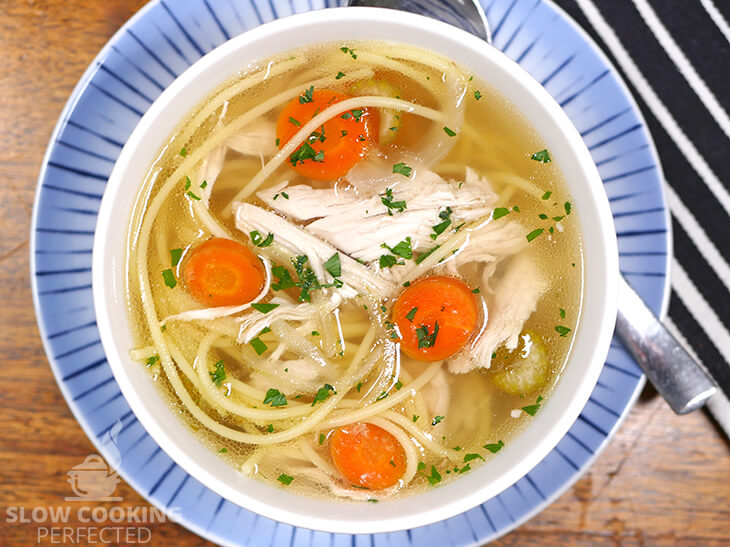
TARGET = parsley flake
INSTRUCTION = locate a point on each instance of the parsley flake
(533, 234)
(275, 397)
(402, 169)
(437, 420)
(307, 96)
(439, 228)
(345, 49)
(411, 314)
(562, 331)
(333, 266)
(543, 156)
(258, 345)
(219, 375)
(175, 256)
(264, 308)
(323, 394)
(499, 212)
(426, 340)
(258, 240)
(387, 200)
(340, 75)
(477, 94)
(285, 479)
(169, 278)
(449, 132)
(494, 447)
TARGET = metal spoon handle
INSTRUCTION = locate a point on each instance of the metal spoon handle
(674, 373)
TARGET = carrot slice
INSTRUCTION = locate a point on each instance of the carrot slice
(337, 146)
(222, 272)
(435, 317)
(367, 455)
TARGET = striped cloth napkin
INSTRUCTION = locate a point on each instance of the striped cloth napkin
(675, 57)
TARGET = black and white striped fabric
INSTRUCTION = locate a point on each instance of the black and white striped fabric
(675, 57)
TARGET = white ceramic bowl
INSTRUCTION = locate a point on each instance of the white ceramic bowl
(591, 340)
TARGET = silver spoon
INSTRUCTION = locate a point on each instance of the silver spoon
(675, 374)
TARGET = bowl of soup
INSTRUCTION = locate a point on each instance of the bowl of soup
(355, 272)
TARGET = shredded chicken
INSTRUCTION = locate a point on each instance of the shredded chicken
(511, 300)
(360, 225)
(299, 242)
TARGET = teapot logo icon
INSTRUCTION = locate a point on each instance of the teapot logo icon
(93, 479)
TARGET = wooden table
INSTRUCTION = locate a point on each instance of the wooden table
(663, 480)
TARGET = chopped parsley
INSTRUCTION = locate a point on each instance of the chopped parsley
(562, 313)
(435, 477)
(449, 132)
(307, 96)
(258, 345)
(402, 249)
(270, 428)
(562, 331)
(340, 75)
(222, 451)
(533, 234)
(345, 49)
(169, 278)
(388, 261)
(439, 228)
(183, 151)
(543, 156)
(258, 240)
(437, 420)
(382, 396)
(283, 278)
(387, 200)
(152, 360)
(415, 418)
(333, 266)
(358, 386)
(321, 439)
(323, 394)
(193, 196)
(219, 375)
(470, 457)
(264, 308)
(284, 194)
(175, 256)
(285, 479)
(532, 409)
(356, 114)
(420, 258)
(315, 333)
(411, 314)
(477, 94)
(542, 216)
(398, 385)
(494, 447)
(426, 340)
(275, 397)
(402, 169)
(568, 207)
(294, 121)
(476, 291)
(372, 500)
(303, 153)
(499, 212)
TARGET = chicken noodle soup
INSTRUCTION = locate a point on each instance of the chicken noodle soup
(354, 271)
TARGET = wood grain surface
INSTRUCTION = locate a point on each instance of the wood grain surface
(663, 480)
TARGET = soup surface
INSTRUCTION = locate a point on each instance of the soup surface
(355, 271)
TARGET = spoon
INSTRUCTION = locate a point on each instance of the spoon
(674, 373)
